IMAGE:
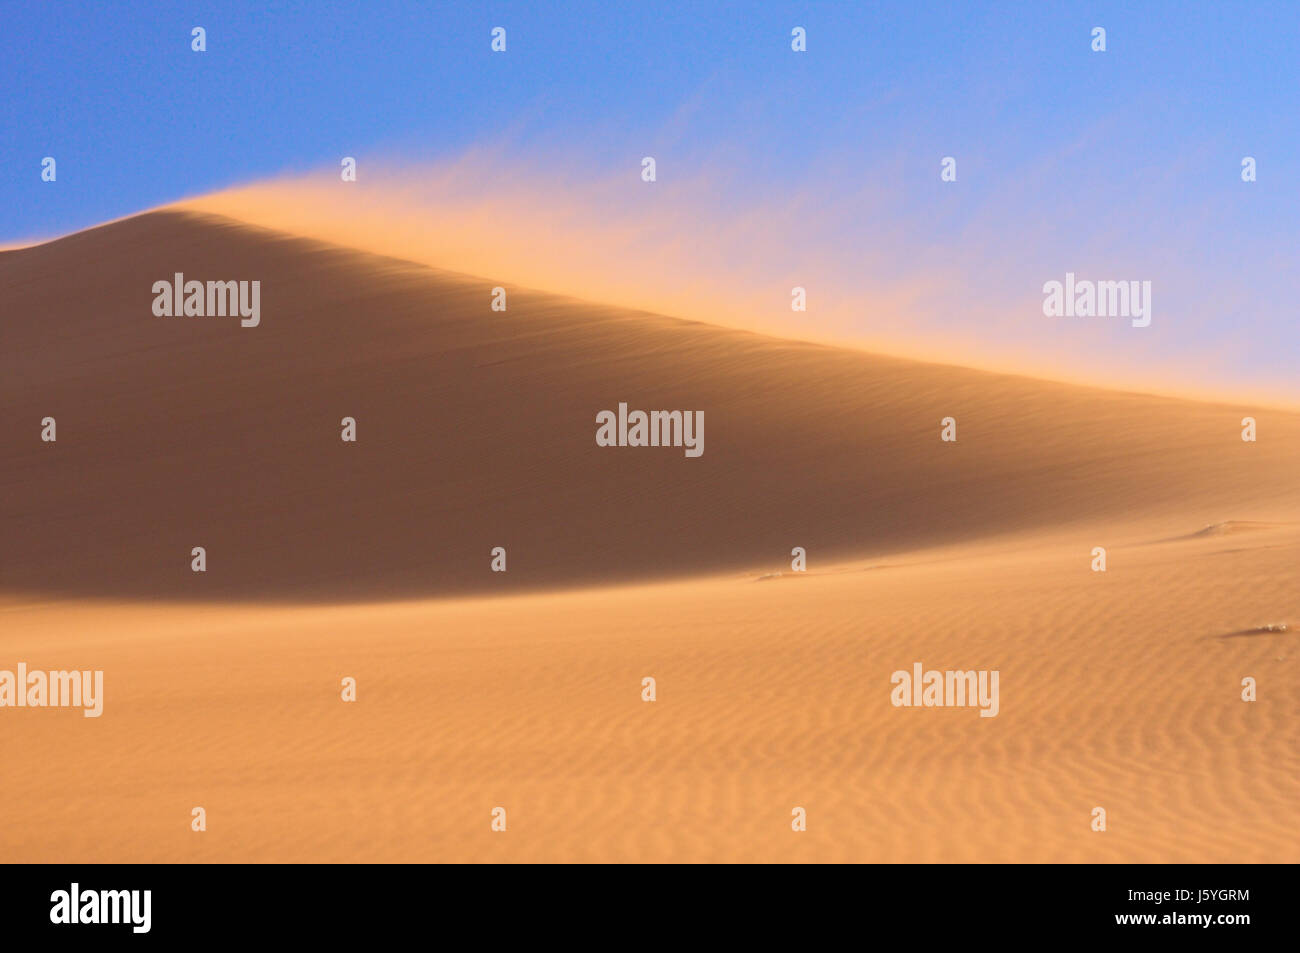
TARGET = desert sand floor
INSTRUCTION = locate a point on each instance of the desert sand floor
(1119, 690)
(522, 690)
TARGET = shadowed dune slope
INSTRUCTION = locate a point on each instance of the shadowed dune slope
(477, 429)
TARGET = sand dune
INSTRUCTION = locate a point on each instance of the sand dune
(477, 429)
(478, 689)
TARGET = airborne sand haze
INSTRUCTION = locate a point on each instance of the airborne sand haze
(699, 245)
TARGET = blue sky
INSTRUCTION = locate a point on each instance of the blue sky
(1126, 160)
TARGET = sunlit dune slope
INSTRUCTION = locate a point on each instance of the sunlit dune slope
(1119, 690)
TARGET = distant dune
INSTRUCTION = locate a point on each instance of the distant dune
(476, 429)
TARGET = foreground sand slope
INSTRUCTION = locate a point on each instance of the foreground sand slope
(477, 429)
(1118, 690)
